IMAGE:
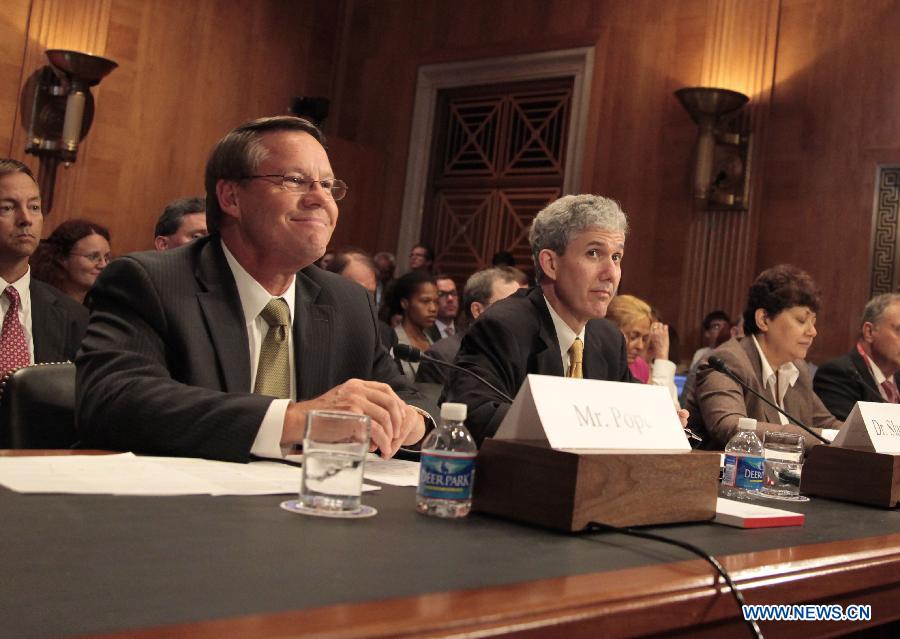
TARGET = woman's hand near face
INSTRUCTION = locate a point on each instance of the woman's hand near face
(659, 341)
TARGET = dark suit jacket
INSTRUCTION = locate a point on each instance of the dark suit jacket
(515, 337)
(434, 333)
(445, 350)
(57, 323)
(164, 368)
(717, 401)
(844, 381)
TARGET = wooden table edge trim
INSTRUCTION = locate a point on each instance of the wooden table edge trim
(608, 602)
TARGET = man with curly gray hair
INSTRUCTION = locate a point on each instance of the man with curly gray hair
(557, 327)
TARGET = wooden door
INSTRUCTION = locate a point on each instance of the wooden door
(498, 158)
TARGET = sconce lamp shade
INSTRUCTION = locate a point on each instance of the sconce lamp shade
(703, 103)
(721, 166)
(80, 67)
(57, 110)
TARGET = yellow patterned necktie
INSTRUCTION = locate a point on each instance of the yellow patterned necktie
(273, 375)
(576, 351)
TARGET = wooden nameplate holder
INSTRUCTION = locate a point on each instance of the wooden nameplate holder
(530, 482)
(851, 475)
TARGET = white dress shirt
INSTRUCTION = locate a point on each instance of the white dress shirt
(253, 300)
(564, 335)
(787, 373)
(662, 372)
(23, 287)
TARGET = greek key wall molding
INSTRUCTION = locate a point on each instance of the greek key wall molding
(886, 214)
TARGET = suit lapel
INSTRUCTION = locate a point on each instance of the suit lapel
(546, 349)
(871, 388)
(594, 365)
(313, 331)
(221, 307)
(48, 326)
(433, 332)
(771, 415)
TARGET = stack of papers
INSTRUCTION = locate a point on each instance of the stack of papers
(743, 515)
(128, 474)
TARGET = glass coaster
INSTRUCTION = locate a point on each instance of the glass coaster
(794, 498)
(294, 506)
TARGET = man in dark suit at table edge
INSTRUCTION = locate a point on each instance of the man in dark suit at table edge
(557, 327)
(49, 325)
(178, 340)
(871, 371)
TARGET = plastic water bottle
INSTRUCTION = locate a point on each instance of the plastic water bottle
(447, 470)
(744, 460)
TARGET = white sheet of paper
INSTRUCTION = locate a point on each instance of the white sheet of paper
(127, 474)
(593, 414)
(394, 472)
(871, 426)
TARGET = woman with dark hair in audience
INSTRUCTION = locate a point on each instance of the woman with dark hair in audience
(414, 297)
(72, 257)
(646, 341)
(779, 327)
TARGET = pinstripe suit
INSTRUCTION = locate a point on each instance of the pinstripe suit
(164, 367)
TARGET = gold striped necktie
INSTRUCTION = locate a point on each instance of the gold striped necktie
(576, 351)
(273, 375)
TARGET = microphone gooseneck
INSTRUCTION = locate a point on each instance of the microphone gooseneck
(862, 381)
(411, 354)
(407, 353)
(718, 364)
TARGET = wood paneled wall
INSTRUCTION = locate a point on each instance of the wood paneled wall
(835, 116)
(639, 141)
(822, 76)
(188, 72)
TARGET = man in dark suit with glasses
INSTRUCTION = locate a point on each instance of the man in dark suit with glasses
(220, 348)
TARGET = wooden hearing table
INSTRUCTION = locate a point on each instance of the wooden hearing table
(204, 567)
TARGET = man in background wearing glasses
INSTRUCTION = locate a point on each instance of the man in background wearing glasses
(220, 348)
(448, 309)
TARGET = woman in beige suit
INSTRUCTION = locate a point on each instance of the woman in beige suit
(779, 326)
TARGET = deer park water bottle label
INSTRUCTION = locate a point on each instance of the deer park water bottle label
(744, 472)
(446, 475)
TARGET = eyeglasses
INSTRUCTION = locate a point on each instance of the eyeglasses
(96, 257)
(300, 184)
(448, 294)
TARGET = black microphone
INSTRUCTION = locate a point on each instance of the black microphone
(862, 381)
(411, 354)
(719, 365)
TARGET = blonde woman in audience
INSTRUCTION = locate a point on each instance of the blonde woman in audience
(72, 257)
(646, 341)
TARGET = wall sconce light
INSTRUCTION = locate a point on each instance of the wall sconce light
(58, 109)
(722, 170)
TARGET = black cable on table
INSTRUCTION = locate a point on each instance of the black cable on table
(594, 526)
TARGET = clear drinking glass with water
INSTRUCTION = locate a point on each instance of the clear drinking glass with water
(334, 452)
(783, 466)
